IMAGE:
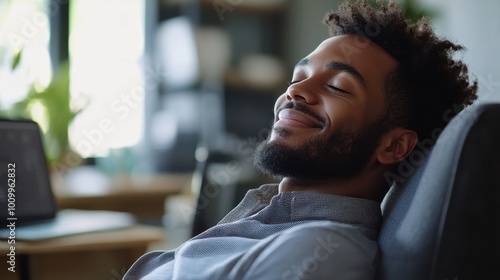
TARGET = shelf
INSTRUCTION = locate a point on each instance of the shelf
(234, 78)
(247, 6)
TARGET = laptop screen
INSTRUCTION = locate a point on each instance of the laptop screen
(25, 190)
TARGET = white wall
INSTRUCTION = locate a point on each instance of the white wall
(475, 25)
(304, 28)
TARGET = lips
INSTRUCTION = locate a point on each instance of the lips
(291, 117)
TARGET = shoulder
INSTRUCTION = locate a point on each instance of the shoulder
(330, 237)
(147, 263)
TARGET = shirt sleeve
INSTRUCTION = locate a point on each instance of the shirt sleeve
(152, 263)
(315, 251)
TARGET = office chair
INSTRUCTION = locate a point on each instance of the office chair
(221, 180)
(215, 190)
(442, 222)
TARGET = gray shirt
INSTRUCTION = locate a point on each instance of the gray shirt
(271, 235)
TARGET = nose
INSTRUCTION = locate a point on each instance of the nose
(302, 91)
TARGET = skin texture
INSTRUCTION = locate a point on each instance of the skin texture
(341, 87)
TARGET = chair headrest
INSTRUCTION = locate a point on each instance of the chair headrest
(415, 206)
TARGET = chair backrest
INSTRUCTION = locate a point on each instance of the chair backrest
(215, 192)
(222, 178)
(440, 220)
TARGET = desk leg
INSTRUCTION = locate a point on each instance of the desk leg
(24, 265)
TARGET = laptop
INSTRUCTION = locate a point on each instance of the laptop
(28, 208)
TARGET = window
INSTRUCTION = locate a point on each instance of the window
(25, 30)
(106, 45)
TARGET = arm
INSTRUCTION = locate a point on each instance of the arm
(316, 250)
(313, 251)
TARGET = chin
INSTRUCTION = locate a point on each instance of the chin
(279, 132)
(340, 156)
(286, 138)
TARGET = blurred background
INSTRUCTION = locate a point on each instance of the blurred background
(160, 92)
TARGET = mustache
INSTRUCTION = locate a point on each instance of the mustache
(303, 109)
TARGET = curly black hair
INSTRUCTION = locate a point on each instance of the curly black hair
(429, 86)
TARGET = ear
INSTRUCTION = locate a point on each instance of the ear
(396, 145)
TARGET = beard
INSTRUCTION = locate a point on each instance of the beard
(342, 155)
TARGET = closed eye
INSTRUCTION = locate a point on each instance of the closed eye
(329, 86)
(337, 89)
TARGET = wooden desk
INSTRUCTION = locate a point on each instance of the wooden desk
(142, 196)
(100, 255)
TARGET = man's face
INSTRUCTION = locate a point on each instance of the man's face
(327, 122)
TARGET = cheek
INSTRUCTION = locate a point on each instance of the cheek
(344, 117)
(370, 110)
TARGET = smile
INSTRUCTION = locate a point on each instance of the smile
(294, 118)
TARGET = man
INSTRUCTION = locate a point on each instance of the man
(355, 108)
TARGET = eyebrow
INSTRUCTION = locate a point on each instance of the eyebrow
(339, 66)
(302, 62)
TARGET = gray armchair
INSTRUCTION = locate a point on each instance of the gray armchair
(442, 219)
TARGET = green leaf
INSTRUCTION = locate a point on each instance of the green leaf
(16, 59)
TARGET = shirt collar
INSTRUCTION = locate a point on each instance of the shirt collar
(302, 205)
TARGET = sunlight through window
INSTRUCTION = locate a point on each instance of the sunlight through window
(25, 29)
(106, 46)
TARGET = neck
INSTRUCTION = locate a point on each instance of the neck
(368, 185)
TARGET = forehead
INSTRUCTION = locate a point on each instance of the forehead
(373, 62)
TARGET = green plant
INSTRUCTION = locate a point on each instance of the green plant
(51, 108)
(413, 10)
